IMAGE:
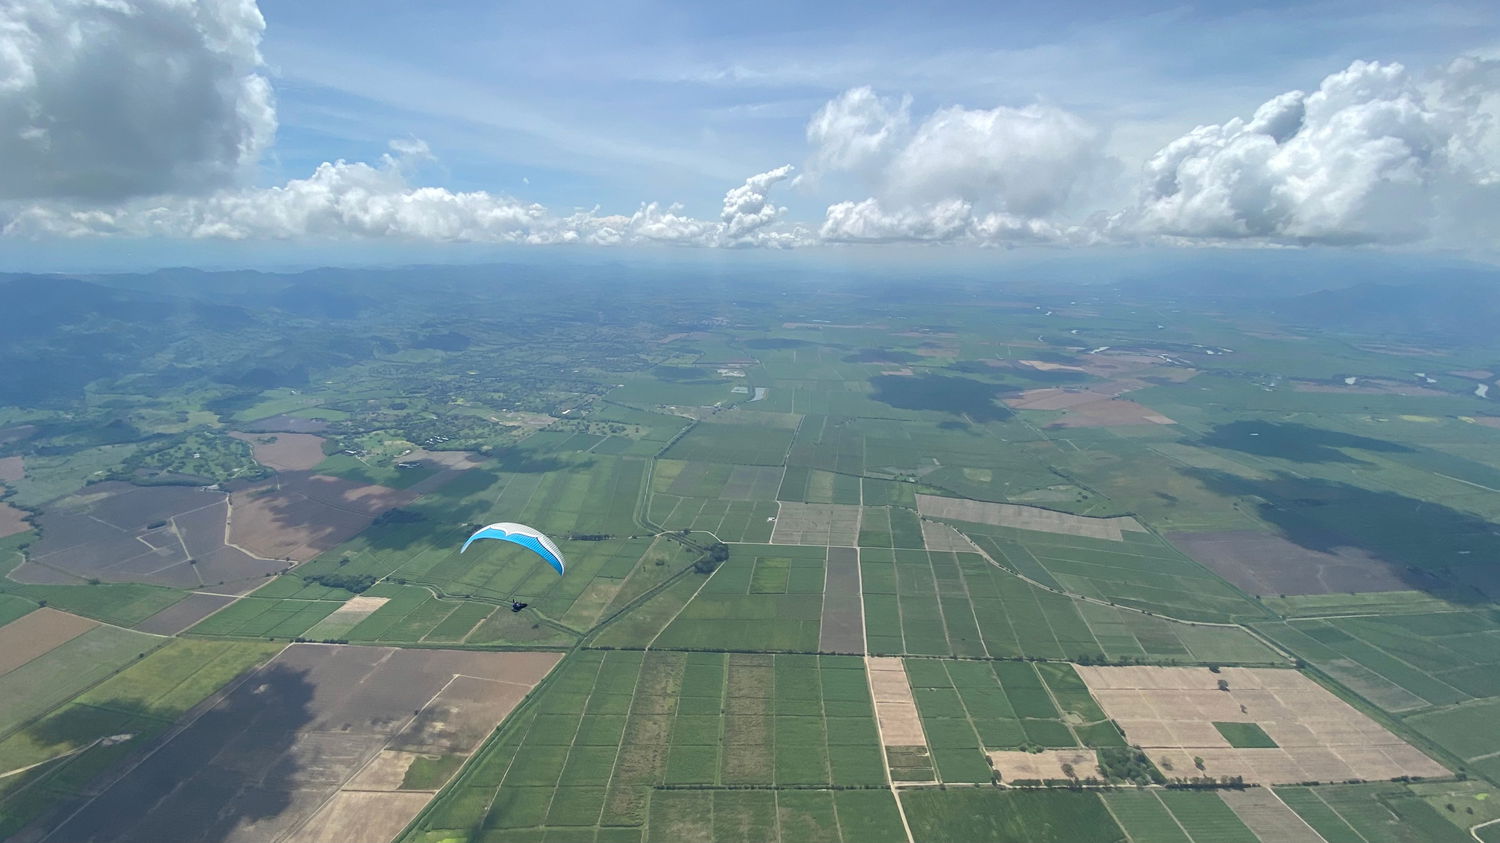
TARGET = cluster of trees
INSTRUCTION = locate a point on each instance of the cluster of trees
(717, 554)
(348, 582)
(1128, 763)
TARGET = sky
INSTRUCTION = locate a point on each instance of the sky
(164, 132)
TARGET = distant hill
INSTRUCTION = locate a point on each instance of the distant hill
(1446, 312)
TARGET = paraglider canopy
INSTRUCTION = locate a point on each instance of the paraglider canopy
(524, 536)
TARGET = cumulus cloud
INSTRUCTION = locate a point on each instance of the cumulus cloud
(343, 200)
(946, 221)
(857, 130)
(1371, 156)
(1024, 169)
(107, 100)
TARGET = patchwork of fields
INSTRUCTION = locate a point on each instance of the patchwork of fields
(999, 572)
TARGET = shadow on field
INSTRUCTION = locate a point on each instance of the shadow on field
(233, 767)
(1295, 442)
(941, 393)
(1430, 547)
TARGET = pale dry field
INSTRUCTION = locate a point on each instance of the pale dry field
(12, 469)
(1025, 517)
(12, 520)
(1170, 711)
(1270, 818)
(284, 451)
(821, 524)
(943, 537)
(38, 633)
(1047, 764)
(895, 707)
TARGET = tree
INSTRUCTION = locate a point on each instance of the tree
(1223, 684)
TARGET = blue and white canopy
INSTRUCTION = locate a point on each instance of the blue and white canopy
(524, 536)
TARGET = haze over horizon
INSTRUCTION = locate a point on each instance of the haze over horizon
(157, 132)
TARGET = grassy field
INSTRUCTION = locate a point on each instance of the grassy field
(1177, 817)
(765, 597)
(932, 603)
(56, 676)
(1373, 813)
(611, 727)
(968, 707)
(988, 815)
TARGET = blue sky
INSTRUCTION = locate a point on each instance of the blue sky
(969, 124)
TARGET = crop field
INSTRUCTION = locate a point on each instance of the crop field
(988, 815)
(61, 751)
(125, 604)
(1180, 817)
(1370, 813)
(1437, 670)
(419, 702)
(958, 604)
(159, 535)
(62, 671)
(613, 727)
(821, 524)
(969, 707)
(739, 816)
(765, 597)
(736, 444)
(1268, 817)
(1140, 571)
(1178, 716)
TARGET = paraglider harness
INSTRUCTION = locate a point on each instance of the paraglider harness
(518, 606)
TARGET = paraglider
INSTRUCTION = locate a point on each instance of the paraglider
(526, 537)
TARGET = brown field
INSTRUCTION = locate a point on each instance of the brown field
(942, 351)
(284, 451)
(1025, 517)
(1269, 817)
(164, 535)
(1053, 398)
(1113, 412)
(1047, 764)
(184, 613)
(16, 433)
(843, 620)
(34, 634)
(12, 469)
(12, 520)
(298, 515)
(1474, 374)
(822, 524)
(895, 707)
(1170, 711)
(1487, 421)
(1266, 563)
(299, 750)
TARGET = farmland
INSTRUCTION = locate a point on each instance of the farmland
(835, 570)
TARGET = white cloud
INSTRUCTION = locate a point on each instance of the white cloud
(343, 200)
(747, 210)
(1028, 161)
(857, 130)
(1023, 170)
(1371, 156)
(947, 221)
(107, 99)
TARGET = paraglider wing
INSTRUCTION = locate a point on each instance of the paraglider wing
(524, 536)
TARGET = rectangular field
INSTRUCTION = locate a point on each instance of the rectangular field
(613, 728)
(316, 715)
(1025, 518)
(958, 604)
(843, 623)
(1172, 714)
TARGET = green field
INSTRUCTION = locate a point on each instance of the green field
(1373, 813)
(611, 726)
(987, 815)
(931, 603)
(767, 598)
(1245, 735)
